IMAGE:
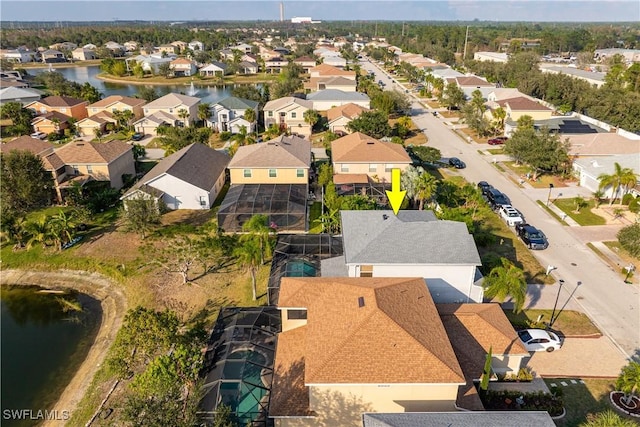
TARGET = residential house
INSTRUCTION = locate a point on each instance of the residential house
(275, 64)
(462, 419)
(115, 47)
(100, 120)
(107, 161)
(339, 117)
(90, 46)
(183, 67)
(325, 76)
(17, 55)
(6, 82)
(53, 122)
(150, 63)
(630, 55)
(149, 124)
(168, 48)
(288, 113)
(196, 46)
(381, 244)
(63, 46)
(491, 56)
(179, 45)
(131, 45)
(227, 54)
(326, 99)
(269, 178)
(116, 103)
(600, 144)
(184, 108)
(248, 67)
(377, 343)
(190, 178)
(589, 168)
(51, 56)
(305, 62)
(73, 107)
(228, 114)
(83, 54)
(359, 158)
(18, 94)
(521, 106)
(243, 47)
(214, 69)
(594, 78)
(335, 61)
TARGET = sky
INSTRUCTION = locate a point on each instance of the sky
(324, 10)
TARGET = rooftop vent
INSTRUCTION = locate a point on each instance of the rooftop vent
(360, 302)
(370, 142)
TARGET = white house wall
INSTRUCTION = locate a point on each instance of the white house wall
(179, 194)
(446, 283)
(326, 105)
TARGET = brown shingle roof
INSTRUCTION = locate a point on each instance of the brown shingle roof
(360, 148)
(350, 178)
(350, 111)
(61, 101)
(357, 326)
(92, 152)
(473, 329)
(330, 70)
(52, 162)
(109, 100)
(521, 103)
(281, 152)
(50, 116)
(26, 143)
(473, 81)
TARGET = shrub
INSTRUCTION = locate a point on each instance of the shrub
(627, 198)
(225, 136)
(629, 238)
(634, 205)
(508, 400)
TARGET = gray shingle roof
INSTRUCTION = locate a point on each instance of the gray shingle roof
(234, 103)
(460, 419)
(196, 164)
(411, 237)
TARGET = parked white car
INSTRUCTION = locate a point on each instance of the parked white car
(511, 215)
(539, 340)
(39, 135)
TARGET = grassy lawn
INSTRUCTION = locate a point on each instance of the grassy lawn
(315, 227)
(144, 167)
(154, 143)
(570, 323)
(542, 181)
(495, 150)
(550, 212)
(582, 399)
(584, 217)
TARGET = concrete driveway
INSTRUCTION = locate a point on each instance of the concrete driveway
(580, 357)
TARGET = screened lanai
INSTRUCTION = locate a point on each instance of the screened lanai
(299, 255)
(284, 204)
(238, 364)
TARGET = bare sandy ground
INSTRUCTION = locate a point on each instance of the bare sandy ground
(113, 304)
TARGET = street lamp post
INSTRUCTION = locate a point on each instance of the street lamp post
(630, 269)
(560, 282)
(549, 196)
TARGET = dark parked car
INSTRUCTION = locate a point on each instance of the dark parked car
(457, 163)
(496, 198)
(484, 186)
(137, 136)
(499, 140)
(532, 237)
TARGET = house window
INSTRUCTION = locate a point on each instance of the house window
(270, 113)
(247, 173)
(63, 110)
(171, 110)
(344, 168)
(300, 173)
(293, 115)
(89, 169)
(387, 168)
(373, 167)
(272, 173)
(366, 271)
(203, 202)
(296, 314)
(76, 171)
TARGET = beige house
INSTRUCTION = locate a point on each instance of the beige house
(175, 105)
(283, 160)
(82, 54)
(358, 158)
(115, 103)
(288, 114)
(76, 108)
(88, 126)
(339, 117)
(149, 125)
(521, 106)
(52, 122)
(183, 67)
(326, 76)
(377, 343)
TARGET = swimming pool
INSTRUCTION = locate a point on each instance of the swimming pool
(300, 268)
(246, 394)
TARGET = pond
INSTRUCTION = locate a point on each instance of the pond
(44, 339)
(208, 94)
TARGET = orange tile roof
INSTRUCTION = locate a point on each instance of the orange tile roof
(473, 329)
(350, 178)
(330, 70)
(521, 103)
(396, 336)
(281, 152)
(350, 111)
(360, 148)
(109, 100)
(92, 152)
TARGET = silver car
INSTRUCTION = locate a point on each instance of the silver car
(539, 340)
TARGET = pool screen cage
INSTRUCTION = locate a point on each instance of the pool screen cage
(238, 365)
(284, 204)
(299, 255)
(375, 190)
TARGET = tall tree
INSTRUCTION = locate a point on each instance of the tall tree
(259, 229)
(506, 280)
(249, 256)
(452, 97)
(26, 185)
(311, 117)
(372, 123)
(621, 178)
(140, 214)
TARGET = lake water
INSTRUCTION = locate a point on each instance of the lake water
(41, 347)
(209, 94)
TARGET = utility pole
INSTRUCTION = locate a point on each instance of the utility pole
(466, 38)
(403, 29)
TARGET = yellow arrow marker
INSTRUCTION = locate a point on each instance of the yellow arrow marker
(395, 196)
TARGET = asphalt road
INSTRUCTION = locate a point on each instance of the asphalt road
(601, 293)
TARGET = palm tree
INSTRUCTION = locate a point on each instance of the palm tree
(184, 115)
(311, 117)
(506, 280)
(242, 137)
(597, 197)
(620, 178)
(14, 230)
(424, 188)
(499, 116)
(39, 232)
(628, 381)
(251, 116)
(580, 203)
(97, 132)
(62, 227)
(258, 229)
(203, 112)
(250, 256)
